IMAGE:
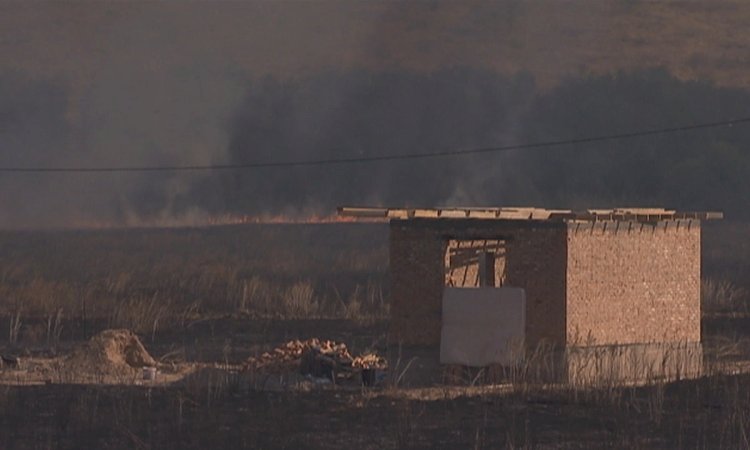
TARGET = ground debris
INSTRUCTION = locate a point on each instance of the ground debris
(370, 361)
(10, 361)
(313, 356)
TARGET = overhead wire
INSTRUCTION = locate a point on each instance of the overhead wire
(376, 158)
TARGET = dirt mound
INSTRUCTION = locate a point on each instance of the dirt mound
(111, 352)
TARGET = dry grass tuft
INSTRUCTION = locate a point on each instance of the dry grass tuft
(723, 296)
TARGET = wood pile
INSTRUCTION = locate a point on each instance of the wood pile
(305, 355)
(370, 361)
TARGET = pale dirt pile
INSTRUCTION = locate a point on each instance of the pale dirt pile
(111, 352)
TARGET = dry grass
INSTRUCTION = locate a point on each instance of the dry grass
(723, 296)
(712, 412)
(156, 280)
(150, 282)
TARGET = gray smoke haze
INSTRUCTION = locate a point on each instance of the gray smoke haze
(370, 114)
(362, 114)
(123, 84)
(700, 170)
(34, 131)
(180, 121)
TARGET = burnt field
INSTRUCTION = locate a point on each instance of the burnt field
(155, 281)
(197, 296)
(707, 413)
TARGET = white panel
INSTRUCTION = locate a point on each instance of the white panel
(482, 326)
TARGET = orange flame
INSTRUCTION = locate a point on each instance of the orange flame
(228, 219)
(220, 220)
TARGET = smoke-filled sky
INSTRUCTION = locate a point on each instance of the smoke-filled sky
(180, 83)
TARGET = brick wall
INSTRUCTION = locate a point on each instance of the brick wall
(417, 279)
(633, 283)
(535, 260)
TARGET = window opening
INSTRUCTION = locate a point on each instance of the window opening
(475, 263)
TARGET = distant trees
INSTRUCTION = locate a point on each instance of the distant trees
(699, 169)
(361, 113)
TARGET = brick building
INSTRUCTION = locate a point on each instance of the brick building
(624, 279)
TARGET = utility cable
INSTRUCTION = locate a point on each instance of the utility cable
(380, 158)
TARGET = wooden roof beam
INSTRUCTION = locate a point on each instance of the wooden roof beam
(618, 214)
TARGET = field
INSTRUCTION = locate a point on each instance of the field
(207, 299)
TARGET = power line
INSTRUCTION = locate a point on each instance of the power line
(369, 159)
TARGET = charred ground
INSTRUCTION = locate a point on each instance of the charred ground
(222, 294)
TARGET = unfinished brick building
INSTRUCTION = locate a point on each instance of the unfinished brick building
(621, 278)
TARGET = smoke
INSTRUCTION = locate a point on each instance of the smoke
(178, 118)
(177, 122)
(33, 131)
(704, 169)
(345, 115)
(363, 114)
(174, 83)
(350, 114)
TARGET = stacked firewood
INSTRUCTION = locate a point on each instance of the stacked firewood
(288, 357)
(369, 361)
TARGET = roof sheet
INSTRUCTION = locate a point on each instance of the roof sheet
(527, 213)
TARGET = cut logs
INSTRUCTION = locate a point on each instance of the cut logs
(315, 357)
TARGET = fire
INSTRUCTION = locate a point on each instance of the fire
(229, 219)
(217, 220)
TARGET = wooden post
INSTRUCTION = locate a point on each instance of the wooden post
(486, 269)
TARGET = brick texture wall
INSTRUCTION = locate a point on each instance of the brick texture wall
(535, 260)
(417, 280)
(633, 283)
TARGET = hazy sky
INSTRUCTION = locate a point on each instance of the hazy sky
(137, 83)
